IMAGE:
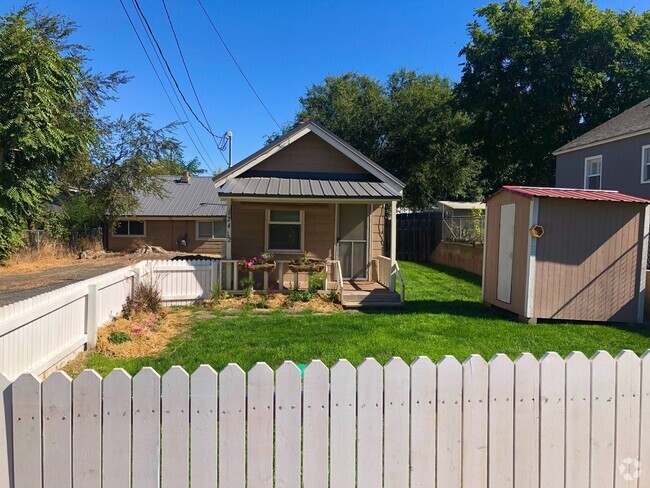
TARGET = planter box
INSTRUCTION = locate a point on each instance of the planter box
(315, 267)
(259, 267)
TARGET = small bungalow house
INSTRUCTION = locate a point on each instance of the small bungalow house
(306, 192)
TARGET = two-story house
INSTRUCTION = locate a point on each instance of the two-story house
(613, 156)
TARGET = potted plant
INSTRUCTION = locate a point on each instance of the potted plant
(263, 262)
(306, 265)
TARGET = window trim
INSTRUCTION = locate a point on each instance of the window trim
(587, 175)
(301, 223)
(144, 228)
(644, 163)
(213, 239)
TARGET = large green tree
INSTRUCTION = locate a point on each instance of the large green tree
(539, 74)
(409, 125)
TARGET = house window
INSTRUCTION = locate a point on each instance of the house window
(593, 171)
(284, 230)
(130, 228)
(211, 229)
(645, 164)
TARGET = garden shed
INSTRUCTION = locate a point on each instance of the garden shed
(556, 253)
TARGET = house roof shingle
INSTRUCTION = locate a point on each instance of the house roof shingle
(198, 198)
(633, 121)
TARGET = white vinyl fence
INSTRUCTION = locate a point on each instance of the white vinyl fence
(577, 422)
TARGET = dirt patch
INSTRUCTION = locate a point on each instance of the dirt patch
(272, 302)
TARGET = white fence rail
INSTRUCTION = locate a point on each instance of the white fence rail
(552, 422)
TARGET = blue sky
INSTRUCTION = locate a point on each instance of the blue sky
(283, 47)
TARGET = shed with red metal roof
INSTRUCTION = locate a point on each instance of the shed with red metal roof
(566, 254)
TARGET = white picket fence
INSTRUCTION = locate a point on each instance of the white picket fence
(577, 422)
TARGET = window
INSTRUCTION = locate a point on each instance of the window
(645, 164)
(284, 230)
(129, 228)
(211, 229)
(593, 170)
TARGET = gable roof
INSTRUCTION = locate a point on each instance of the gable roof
(198, 198)
(571, 193)
(295, 134)
(634, 121)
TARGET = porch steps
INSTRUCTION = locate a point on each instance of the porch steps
(371, 299)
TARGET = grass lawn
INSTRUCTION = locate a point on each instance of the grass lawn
(443, 315)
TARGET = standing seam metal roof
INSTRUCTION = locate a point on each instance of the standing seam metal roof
(574, 194)
(302, 187)
(198, 198)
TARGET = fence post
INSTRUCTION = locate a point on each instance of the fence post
(6, 433)
(91, 317)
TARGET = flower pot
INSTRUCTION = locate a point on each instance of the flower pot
(270, 266)
(311, 267)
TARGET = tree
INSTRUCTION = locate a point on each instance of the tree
(47, 104)
(538, 75)
(410, 125)
(173, 161)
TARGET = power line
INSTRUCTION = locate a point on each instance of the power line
(135, 30)
(171, 73)
(237, 64)
(222, 145)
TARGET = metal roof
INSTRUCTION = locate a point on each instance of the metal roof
(303, 187)
(633, 121)
(574, 194)
(462, 205)
(198, 198)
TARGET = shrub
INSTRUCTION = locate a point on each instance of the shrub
(297, 295)
(216, 292)
(145, 298)
(316, 282)
(118, 337)
(333, 296)
(246, 285)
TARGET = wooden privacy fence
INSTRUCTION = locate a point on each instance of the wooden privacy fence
(418, 234)
(528, 423)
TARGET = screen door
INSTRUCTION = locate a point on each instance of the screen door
(353, 241)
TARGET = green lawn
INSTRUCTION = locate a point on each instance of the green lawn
(443, 315)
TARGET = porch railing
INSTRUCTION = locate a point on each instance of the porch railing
(384, 274)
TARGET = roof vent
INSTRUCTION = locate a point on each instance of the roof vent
(185, 177)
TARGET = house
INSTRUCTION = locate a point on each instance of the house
(191, 218)
(613, 156)
(306, 192)
(566, 254)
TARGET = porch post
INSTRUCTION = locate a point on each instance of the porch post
(393, 244)
(228, 230)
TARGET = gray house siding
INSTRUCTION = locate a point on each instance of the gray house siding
(621, 166)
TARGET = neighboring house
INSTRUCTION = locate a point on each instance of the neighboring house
(308, 191)
(190, 218)
(613, 156)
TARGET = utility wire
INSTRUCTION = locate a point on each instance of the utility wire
(135, 30)
(237, 64)
(169, 70)
(220, 145)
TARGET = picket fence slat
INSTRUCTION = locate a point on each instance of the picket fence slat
(260, 427)
(396, 423)
(573, 422)
(203, 427)
(175, 427)
(315, 425)
(57, 431)
(423, 423)
(232, 433)
(526, 423)
(370, 424)
(116, 440)
(146, 429)
(87, 432)
(343, 424)
(475, 421)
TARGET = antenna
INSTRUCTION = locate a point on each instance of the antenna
(229, 136)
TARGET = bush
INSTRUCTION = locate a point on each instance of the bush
(316, 282)
(118, 337)
(246, 285)
(216, 292)
(297, 295)
(145, 298)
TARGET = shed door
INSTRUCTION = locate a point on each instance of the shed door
(506, 244)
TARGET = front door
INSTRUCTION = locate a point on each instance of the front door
(506, 246)
(353, 241)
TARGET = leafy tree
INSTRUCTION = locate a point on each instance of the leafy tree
(173, 161)
(537, 75)
(409, 125)
(47, 103)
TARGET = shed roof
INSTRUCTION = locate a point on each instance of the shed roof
(304, 187)
(571, 193)
(632, 122)
(198, 198)
(462, 205)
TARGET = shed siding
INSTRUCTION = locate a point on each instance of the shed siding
(520, 251)
(166, 234)
(588, 260)
(311, 154)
